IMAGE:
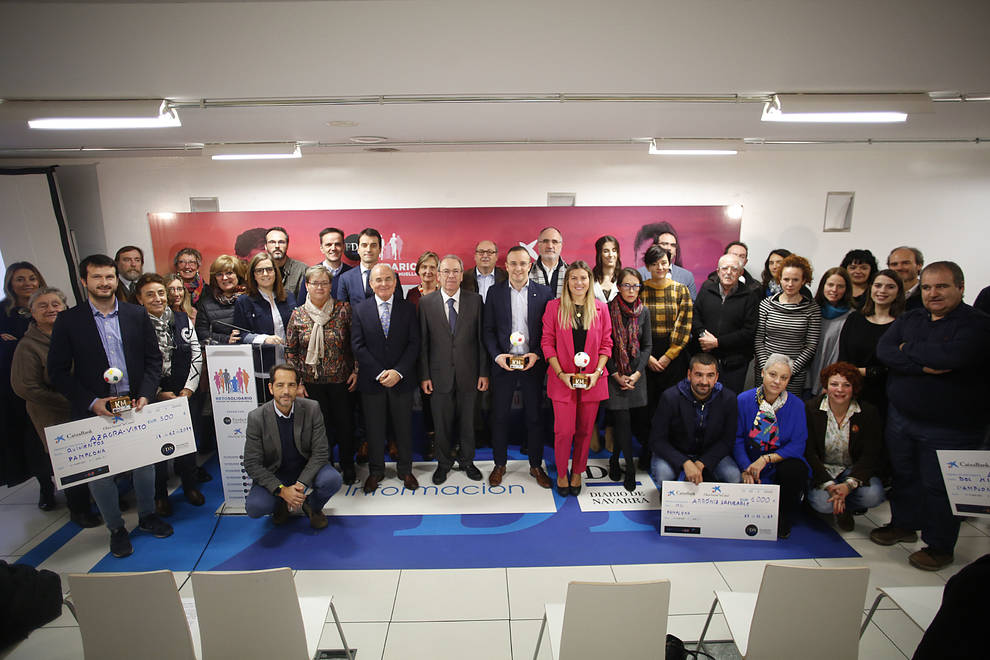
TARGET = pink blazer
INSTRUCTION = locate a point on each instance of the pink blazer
(559, 342)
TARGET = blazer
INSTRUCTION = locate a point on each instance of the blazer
(865, 441)
(351, 287)
(447, 359)
(375, 352)
(558, 342)
(334, 283)
(498, 322)
(470, 282)
(76, 359)
(263, 446)
(255, 314)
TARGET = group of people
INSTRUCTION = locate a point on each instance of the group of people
(862, 380)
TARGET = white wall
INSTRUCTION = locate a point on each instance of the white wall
(935, 198)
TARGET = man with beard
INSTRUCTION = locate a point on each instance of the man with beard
(130, 265)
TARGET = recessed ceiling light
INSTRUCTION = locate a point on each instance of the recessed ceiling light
(367, 139)
(382, 150)
(342, 123)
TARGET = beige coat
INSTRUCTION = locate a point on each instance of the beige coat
(29, 378)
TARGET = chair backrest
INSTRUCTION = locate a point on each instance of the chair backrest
(808, 613)
(129, 615)
(615, 621)
(249, 614)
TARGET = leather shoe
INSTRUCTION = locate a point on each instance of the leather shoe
(845, 521)
(890, 535)
(348, 474)
(371, 483)
(163, 507)
(472, 472)
(929, 559)
(440, 475)
(202, 476)
(563, 491)
(87, 519)
(281, 513)
(47, 501)
(542, 479)
(410, 481)
(576, 490)
(495, 478)
(317, 519)
(194, 497)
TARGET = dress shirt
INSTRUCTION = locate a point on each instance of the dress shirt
(484, 281)
(457, 302)
(366, 276)
(109, 329)
(391, 308)
(334, 272)
(291, 410)
(519, 302)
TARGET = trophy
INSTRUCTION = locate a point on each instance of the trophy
(580, 381)
(517, 361)
(117, 404)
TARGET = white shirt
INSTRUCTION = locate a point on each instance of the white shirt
(457, 302)
(291, 410)
(519, 305)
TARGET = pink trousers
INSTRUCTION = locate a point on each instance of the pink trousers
(572, 426)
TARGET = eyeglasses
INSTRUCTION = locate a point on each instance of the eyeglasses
(227, 275)
(446, 272)
(264, 270)
(322, 284)
(630, 287)
(185, 262)
(487, 253)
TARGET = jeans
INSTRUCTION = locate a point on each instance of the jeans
(865, 497)
(918, 499)
(261, 503)
(726, 471)
(108, 497)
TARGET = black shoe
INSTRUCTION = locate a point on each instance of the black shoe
(629, 483)
(194, 496)
(614, 471)
(783, 528)
(440, 475)
(123, 504)
(575, 490)
(563, 491)
(348, 474)
(86, 519)
(120, 543)
(472, 472)
(281, 513)
(163, 507)
(47, 501)
(202, 476)
(155, 526)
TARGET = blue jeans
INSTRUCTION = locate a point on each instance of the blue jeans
(918, 499)
(865, 497)
(262, 503)
(107, 496)
(726, 471)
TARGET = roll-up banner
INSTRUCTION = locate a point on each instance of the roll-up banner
(230, 369)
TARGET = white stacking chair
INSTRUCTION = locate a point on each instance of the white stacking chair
(799, 612)
(585, 626)
(129, 615)
(920, 604)
(257, 614)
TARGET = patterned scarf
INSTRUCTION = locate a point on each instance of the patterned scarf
(320, 316)
(164, 330)
(625, 332)
(195, 288)
(226, 301)
(764, 436)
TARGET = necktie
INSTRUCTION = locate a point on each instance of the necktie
(452, 315)
(386, 318)
(367, 285)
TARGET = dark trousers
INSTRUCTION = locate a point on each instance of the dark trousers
(530, 386)
(448, 407)
(734, 378)
(379, 409)
(918, 499)
(657, 382)
(185, 469)
(336, 404)
(77, 497)
(791, 475)
(624, 423)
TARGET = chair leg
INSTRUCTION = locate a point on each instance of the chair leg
(72, 607)
(539, 639)
(873, 608)
(340, 629)
(704, 630)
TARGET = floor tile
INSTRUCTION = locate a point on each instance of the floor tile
(21, 522)
(368, 639)
(899, 629)
(357, 595)
(10, 559)
(449, 640)
(531, 588)
(969, 529)
(82, 552)
(473, 594)
(688, 627)
(692, 586)
(982, 525)
(50, 644)
(874, 645)
(968, 549)
(524, 634)
(888, 568)
(27, 493)
(748, 575)
(6, 491)
(30, 543)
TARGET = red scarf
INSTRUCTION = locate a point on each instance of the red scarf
(625, 332)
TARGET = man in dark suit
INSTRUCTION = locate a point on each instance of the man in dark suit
(355, 285)
(385, 337)
(130, 265)
(453, 364)
(286, 452)
(485, 273)
(88, 339)
(517, 306)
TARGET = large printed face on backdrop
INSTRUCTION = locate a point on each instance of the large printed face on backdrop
(702, 233)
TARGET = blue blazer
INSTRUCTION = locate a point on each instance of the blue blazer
(334, 285)
(255, 314)
(76, 359)
(351, 288)
(375, 353)
(498, 321)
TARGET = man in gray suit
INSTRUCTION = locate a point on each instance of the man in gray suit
(286, 452)
(453, 364)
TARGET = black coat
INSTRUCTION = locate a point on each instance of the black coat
(733, 322)
(865, 441)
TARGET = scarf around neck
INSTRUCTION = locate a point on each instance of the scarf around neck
(195, 288)
(164, 326)
(625, 332)
(764, 436)
(320, 317)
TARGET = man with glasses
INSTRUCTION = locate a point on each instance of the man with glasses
(725, 322)
(485, 273)
(453, 364)
(293, 271)
(549, 268)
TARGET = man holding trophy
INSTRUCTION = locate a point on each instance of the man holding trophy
(513, 330)
(104, 359)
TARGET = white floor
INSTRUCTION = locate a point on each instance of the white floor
(489, 612)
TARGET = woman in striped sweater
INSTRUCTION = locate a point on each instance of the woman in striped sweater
(789, 322)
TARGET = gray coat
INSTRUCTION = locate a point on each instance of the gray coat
(448, 359)
(29, 378)
(263, 446)
(619, 399)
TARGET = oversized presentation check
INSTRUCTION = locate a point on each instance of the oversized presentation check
(98, 447)
(967, 480)
(715, 510)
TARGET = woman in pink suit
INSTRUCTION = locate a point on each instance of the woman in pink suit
(575, 323)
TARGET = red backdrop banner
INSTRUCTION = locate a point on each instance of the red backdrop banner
(703, 232)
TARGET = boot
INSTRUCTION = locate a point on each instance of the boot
(613, 467)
